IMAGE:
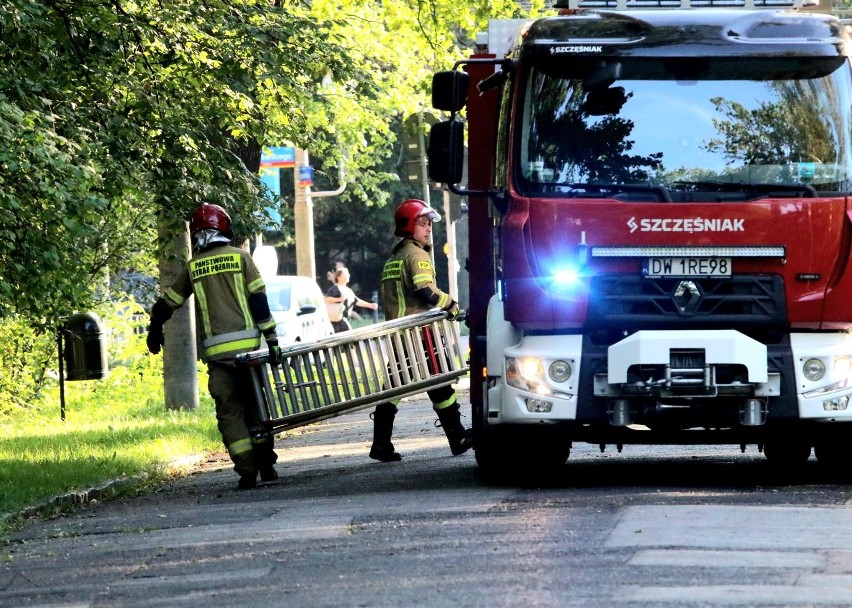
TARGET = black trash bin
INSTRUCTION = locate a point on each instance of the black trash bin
(85, 350)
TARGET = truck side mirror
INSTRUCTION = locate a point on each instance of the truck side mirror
(449, 90)
(446, 152)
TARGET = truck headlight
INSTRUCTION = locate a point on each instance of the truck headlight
(559, 371)
(813, 369)
(842, 366)
(526, 373)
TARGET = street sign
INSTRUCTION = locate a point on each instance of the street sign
(277, 157)
(306, 175)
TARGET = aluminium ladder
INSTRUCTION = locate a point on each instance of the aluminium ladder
(355, 369)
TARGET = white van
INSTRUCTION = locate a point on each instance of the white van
(298, 307)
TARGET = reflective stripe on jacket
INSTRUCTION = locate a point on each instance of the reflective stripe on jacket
(222, 278)
(408, 270)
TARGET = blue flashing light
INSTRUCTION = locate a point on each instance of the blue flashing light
(566, 277)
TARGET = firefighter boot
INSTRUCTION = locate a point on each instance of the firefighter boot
(247, 482)
(263, 447)
(382, 448)
(459, 438)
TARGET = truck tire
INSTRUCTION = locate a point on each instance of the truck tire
(786, 452)
(833, 458)
(507, 452)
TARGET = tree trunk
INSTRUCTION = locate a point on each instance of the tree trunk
(248, 152)
(180, 376)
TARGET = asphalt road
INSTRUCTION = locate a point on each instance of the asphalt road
(649, 527)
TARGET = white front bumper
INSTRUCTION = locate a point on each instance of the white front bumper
(507, 404)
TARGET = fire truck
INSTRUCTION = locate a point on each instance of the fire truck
(660, 228)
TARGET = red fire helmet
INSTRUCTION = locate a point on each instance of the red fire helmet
(210, 216)
(407, 214)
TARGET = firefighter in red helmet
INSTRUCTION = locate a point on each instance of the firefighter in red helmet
(408, 287)
(233, 314)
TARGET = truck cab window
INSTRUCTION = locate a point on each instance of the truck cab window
(656, 131)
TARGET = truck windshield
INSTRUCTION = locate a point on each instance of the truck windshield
(652, 130)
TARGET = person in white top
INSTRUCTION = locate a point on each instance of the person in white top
(340, 300)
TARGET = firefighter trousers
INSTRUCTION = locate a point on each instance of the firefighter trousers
(231, 389)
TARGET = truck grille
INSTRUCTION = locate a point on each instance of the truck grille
(628, 301)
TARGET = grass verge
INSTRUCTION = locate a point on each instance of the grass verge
(115, 428)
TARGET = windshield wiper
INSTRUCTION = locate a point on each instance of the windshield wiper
(760, 190)
(603, 188)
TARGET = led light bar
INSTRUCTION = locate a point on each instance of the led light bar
(771, 251)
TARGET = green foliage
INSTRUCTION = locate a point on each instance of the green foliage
(776, 133)
(114, 427)
(113, 112)
(25, 358)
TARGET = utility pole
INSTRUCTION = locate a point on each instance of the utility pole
(424, 177)
(303, 210)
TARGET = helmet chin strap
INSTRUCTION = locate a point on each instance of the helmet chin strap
(206, 237)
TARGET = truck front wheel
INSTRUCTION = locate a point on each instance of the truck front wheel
(787, 452)
(508, 450)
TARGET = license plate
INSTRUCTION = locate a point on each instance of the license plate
(686, 267)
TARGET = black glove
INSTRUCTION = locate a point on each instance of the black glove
(155, 339)
(274, 352)
(452, 310)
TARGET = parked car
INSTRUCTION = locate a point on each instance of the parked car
(299, 310)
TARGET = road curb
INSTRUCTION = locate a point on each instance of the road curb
(79, 498)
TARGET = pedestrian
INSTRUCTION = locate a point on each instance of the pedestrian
(408, 287)
(338, 264)
(233, 313)
(340, 300)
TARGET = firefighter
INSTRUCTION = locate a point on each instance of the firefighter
(408, 287)
(233, 314)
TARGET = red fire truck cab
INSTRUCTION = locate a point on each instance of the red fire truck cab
(660, 230)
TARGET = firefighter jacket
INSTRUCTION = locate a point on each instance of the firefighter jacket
(223, 280)
(405, 276)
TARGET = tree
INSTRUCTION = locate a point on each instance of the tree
(116, 112)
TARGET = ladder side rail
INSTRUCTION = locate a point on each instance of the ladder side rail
(453, 351)
(354, 335)
(283, 403)
(459, 356)
(268, 393)
(336, 409)
(454, 358)
(261, 404)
